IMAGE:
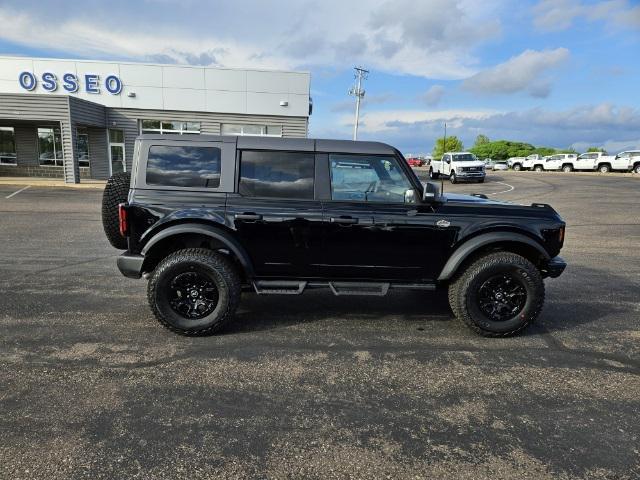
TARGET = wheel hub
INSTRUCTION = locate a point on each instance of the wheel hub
(192, 295)
(501, 297)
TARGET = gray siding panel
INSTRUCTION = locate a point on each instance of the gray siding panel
(127, 120)
(98, 154)
(27, 145)
(34, 107)
(87, 113)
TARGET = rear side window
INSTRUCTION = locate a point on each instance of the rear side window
(276, 174)
(183, 166)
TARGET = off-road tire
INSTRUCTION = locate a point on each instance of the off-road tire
(463, 291)
(115, 192)
(218, 268)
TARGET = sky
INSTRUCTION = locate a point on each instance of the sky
(560, 73)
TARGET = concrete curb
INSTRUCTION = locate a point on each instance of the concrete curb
(40, 182)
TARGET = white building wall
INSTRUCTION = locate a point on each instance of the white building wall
(170, 87)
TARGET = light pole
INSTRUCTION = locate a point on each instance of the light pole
(357, 91)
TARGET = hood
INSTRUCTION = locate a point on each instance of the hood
(460, 198)
(470, 163)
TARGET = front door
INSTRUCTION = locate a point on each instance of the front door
(275, 213)
(374, 228)
(116, 151)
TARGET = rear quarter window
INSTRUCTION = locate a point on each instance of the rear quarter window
(183, 166)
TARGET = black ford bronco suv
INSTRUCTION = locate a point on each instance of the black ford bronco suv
(205, 217)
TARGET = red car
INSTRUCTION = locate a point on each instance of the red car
(415, 162)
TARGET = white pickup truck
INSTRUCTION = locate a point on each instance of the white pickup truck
(532, 162)
(560, 161)
(459, 167)
(624, 162)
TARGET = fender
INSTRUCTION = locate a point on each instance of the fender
(470, 246)
(198, 228)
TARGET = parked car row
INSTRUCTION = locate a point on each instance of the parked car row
(628, 161)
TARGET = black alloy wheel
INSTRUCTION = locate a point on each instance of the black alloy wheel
(192, 295)
(501, 297)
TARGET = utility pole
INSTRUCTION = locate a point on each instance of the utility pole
(357, 91)
(444, 150)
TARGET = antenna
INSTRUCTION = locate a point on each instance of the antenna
(357, 91)
(444, 150)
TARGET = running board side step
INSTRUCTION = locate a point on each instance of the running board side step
(296, 287)
(279, 287)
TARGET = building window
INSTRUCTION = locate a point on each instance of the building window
(185, 166)
(276, 174)
(50, 144)
(82, 146)
(169, 127)
(7, 146)
(251, 130)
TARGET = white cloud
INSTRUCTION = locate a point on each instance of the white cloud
(433, 95)
(524, 72)
(406, 37)
(556, 15)
(616, 128)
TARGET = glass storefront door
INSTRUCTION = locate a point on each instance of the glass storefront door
(116, 151)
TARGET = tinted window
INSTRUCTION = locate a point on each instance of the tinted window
(464, 157)
(370, 179)
(185, 166)
(276, 174)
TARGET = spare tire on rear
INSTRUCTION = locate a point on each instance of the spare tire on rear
(115, 192)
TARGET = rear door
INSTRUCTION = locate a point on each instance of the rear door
(275, 212)
(586, 161)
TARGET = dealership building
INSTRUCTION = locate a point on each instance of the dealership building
(78, 120)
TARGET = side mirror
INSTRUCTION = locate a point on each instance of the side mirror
(430, 192)
(410, 196)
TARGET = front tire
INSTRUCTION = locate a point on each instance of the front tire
(498, 295)
(452, 178)
(433, 175)
(538, 168)
(567, 169)
(194, 291)
(604, 169)
(517, 167)
(637, 168)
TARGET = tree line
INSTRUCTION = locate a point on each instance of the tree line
(498, 149)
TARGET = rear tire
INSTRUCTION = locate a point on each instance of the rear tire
(636, 169)
(498, 295)
(115, 192)
(194, 291)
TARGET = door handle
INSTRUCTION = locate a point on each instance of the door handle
(344, 220)
(247, 216)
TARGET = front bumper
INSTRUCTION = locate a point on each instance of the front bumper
(462, 176)
(130, 265)
(554, 267)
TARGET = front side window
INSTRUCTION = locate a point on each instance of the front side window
(276, 174)
(368, 179)
(7, 146)
(168, 127)
(82, 146)
(183, 166)
(50, 146)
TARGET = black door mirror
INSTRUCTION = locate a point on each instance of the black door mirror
(430, 192)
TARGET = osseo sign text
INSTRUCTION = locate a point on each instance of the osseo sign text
(71, 83)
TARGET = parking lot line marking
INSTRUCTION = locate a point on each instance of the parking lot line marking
(15, 193)
(511, 187)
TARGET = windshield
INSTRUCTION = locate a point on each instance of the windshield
(463, 157)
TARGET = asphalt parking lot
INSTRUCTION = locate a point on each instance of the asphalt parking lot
(318, 386)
